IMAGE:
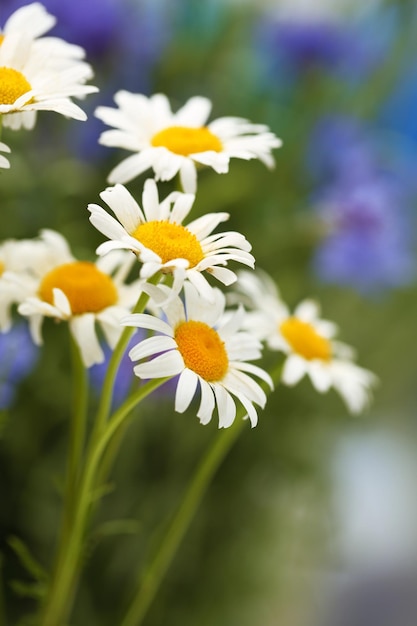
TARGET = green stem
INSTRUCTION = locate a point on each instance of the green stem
(114, 362)
(154, 574)
(62, 590)
(78, 423)
(150, 581)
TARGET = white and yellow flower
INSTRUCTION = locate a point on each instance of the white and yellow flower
(39, 73)
(308, 341)
(161, 242)
(82, 293)
(21, 263)
(4, 163)
(206, 349)
(172, 143)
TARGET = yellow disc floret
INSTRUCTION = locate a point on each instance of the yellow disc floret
(2, 267)
(202, 350)
(305, 340)
(12, 85)
(87, 288)
(170, 241)
(185, 140)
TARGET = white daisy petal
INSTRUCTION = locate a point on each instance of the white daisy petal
(294, 370)
(186, 388)
(150, 346)
(143, 320)
(82, 328)
(225, 406)
(168, 364)
(207, 403)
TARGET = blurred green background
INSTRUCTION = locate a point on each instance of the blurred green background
(311, 495)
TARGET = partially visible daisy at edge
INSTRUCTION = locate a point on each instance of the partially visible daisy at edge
(307, 341)
(82, 293)
(22, 261)
(40, 75)
(206, 349)
(4, 163)
(160, 241)
(172, 143)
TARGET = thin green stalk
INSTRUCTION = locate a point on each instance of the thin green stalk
(78, 422)
(114, 362)
(150, 581)
(154, 574)
(76, 448)
(62, 590)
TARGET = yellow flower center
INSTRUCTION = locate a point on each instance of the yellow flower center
(87, 288)
(305, 340)
(12, 85)
(1, 38)
(169, 241)
(184, 140)
(2, 267)
(202, 350)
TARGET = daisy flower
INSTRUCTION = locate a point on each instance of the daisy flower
(206, 349)
(4, 163)
(21, 262)
(172, 143)
(81, 293)
(161, 242)
(307, 341)
(38, 73)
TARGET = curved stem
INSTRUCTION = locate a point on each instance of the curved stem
(114, 362)
(62, 590)
(151, 579)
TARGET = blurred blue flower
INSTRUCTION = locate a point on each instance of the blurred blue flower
(18, 357)
(368, 242)
(341, 148)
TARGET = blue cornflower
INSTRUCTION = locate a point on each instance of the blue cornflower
(368, 243)
(18, 357)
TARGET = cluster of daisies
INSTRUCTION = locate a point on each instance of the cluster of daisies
(153, 252)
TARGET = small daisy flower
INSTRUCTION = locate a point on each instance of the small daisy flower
(82, 293)
(205, 348)
(38, 73)
(308, 341)
(4, 163)
(161, 242)
(21, 263)
(172, 143)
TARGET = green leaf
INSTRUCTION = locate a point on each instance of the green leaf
(35, 591)
(27, 559)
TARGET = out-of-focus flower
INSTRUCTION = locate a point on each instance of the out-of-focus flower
(18, 356)
(82, 293)
(4, 163)
(157, 236)
(21, 262)
(176, 143)
(307, 341)
(341, 148)
(206, 349)
(300, 36)
(39, 73)
(368, 241)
